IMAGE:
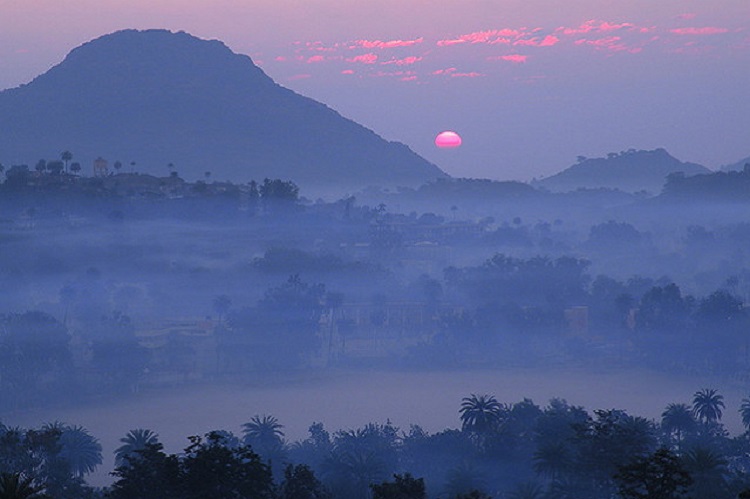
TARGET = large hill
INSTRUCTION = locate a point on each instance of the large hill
(629, 171)
(156, 97)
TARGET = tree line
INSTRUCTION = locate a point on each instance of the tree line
(515, 451)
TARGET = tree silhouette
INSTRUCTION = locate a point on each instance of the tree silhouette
(78, 448)
(745, 413)
(708, 405)
(677, 420)
(660, 475)
(66, 156)
(403, 487)
(480, 413)
(264, 435)
(18, 486)
(134, 441)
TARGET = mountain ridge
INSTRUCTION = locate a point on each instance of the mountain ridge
(157, 97)
(630, 171)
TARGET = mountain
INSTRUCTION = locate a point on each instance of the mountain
(736, 167)
(629, 171)
(156, 97)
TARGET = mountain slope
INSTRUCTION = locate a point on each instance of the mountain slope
(736, 167)
(156, 97)
(629, 171)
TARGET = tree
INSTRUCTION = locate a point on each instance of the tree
(117, 165)
(147, 474)
(133, 442)
(745, 413)
(677, 420)
(19, 486)
(80, 449)
(403, 487)
(708, 470)
(657, 476)
(300, 483)
(708, 405)
(264, 435)
(40, 166)
(75, 167)
(480, 413)
(55, 167)
(210, 468)
(221, 305)
(66, 156)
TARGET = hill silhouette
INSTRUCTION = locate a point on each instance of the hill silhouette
(737, 166)
(629, 171)
(156, 97)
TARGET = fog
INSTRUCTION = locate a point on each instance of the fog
(132, 301)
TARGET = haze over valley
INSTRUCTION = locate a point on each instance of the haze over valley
(192, 250)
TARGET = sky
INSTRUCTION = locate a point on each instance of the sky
(528, 84)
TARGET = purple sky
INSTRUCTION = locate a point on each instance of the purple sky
(528, 84)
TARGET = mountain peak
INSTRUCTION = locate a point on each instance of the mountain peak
(158, 97)
(629, 171)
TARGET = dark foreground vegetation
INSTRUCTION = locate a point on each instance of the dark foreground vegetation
(519, 451)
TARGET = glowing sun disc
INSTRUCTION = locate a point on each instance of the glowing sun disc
(448, 139)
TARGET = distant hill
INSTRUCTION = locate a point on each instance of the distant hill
(629, 171)
(729, 186)
(736, 167)
(156, 97)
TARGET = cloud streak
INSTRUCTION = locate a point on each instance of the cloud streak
(474, 51)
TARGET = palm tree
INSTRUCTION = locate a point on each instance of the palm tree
(80, 449)
(66, 156)
(134, 441)
(745, 413)
(708, 470)
(480, 413)
(707, 405)
(263, 433)
(18, 486)
(677, 419)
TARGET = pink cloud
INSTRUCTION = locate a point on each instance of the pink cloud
(364, 59)
(347, 72)
(280, 58)
(315, 58)
(379, 44)
(491, 37)
(409, 78)
(514, 58)
(472, 74)
(547, 41)
(595, 26)
(318, 46)
(445, 71)
(707, 30)
(406, 61)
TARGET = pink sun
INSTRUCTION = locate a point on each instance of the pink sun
(448, 139)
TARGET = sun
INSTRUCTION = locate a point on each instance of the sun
(448, 140)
